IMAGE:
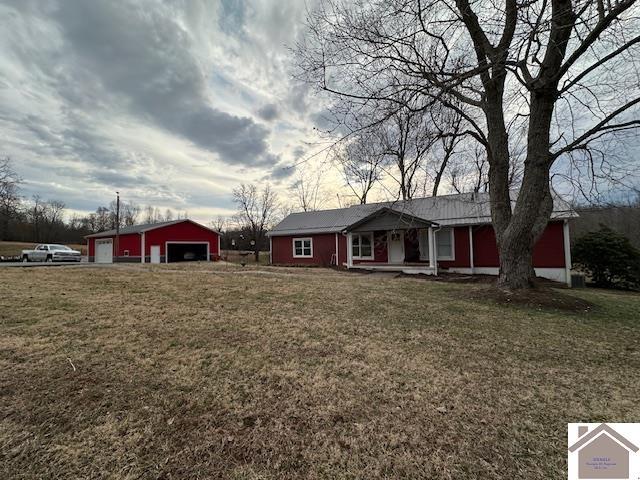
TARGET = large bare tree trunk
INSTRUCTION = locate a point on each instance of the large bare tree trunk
(517, 237)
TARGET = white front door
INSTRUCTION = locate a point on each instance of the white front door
(104, 251)
(155, 253)
(396, 247)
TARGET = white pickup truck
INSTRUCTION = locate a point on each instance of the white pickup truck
(49, 252)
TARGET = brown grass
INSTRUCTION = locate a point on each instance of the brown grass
(15, 248)
(201, 371)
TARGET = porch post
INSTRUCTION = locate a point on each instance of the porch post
(349, 251)
(142, 249)
(432, 256)
(567, 252)
(471, 249)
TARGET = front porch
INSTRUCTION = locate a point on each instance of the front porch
(408, 268)
(391, 241)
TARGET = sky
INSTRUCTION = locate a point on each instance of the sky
(171, 103)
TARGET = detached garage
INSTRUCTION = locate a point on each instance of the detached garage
(175, 241)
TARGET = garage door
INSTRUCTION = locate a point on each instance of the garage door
(104, 251)
(187, 251)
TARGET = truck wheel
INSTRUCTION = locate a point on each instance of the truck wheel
(25, 259)
(49, 258)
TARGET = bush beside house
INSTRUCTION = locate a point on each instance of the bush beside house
(609, 258)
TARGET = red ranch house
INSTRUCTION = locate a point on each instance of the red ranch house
(174, 241)
(450, 233)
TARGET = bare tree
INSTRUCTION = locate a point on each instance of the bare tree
(35, 216)
(256, 210)
(52, 218)
(564, 71)
(406, 138)
(308, 190)
(152, 214)
(9, 195)
(103, 219)
(115, 217)
(361, 160)
(129, 213)
(148, 214)
(219, 223)
(449, 134)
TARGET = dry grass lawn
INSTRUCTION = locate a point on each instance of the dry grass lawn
(207, 371)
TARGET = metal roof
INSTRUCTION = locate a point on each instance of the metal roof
(144, 227)
(445, 210)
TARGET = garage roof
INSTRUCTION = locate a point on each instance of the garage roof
(144, 227)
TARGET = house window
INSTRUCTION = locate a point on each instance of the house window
(302, 247)
(445, 245)
(423, 244)
(126, 253)
(362, 246)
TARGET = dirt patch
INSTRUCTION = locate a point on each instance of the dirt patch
(542, 297)
(452, 277)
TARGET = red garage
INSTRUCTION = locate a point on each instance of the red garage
(175, 241)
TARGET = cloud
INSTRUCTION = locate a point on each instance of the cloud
(170, 102)
(268, 112)
(145, 58)
(282, 172)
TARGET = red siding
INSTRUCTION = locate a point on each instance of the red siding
(547, 253)
(342, 249)
(549, 250)
(129, 242)
(460, 249)
(485, 250)
(324, 246)
(181, 232)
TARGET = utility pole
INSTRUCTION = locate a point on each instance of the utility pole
(117, 226)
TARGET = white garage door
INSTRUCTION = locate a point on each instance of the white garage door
(104, 251)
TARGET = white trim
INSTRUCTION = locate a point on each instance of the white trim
(175, 222)
(389, 245)
(556, 274)
(471, 248)
(184, 242)
(567, 252)
(432, 256)
(143, 254)
(349, 250)
(302, 239)
(453, 245)
(112, 233)
(337, 252)
(360, 257)
(270, 250)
